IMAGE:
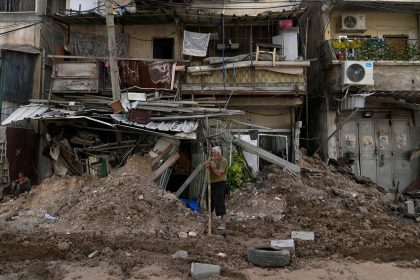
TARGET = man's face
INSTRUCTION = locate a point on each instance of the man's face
(215, 154)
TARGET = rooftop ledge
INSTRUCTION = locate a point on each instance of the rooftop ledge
(385, 62)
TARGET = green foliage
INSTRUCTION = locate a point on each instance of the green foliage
(236, 175)
(376, 49)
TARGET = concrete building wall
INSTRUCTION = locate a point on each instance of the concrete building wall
(140, 42)
(267, 116)
(378, 24)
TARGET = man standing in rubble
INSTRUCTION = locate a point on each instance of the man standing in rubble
(218, 168)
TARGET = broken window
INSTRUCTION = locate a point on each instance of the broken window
(163, 48)
(17, 5)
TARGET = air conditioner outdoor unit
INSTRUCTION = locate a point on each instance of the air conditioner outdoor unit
(358, 73)
(352, 22)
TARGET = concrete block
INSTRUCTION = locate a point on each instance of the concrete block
(288, 244)
(303, 235)
(204, 270)
(409, 207)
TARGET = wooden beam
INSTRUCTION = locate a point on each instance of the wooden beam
(168, 163)
(189, 180)
(163, 154)
(292, 168)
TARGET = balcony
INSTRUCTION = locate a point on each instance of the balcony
(396, 68)
(368, 49)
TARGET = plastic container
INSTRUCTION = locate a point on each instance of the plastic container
(285, 23)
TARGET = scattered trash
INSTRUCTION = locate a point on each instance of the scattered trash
(49, 217)
(268, 256)
(192, 234)
(91, 255)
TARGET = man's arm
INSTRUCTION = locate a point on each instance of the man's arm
(216, 170)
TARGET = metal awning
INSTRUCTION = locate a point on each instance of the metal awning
(20, 48)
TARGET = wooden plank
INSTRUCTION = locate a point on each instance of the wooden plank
(163, 154)
(292, 168)
(189, 180)
(168, 163)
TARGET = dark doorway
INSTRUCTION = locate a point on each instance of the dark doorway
(163, 48)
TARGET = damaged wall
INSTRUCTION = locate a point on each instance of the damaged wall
(269, 117)
(140, 37)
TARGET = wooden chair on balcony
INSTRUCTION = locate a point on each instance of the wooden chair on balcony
(268, 48)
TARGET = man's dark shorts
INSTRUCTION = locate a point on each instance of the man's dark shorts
(218, 193)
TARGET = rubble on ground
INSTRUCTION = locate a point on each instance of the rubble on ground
(131, 223)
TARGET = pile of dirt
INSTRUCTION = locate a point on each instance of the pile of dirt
(125, 201)
(348, 218)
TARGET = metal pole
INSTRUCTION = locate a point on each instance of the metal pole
(112, 49)
(208, 180)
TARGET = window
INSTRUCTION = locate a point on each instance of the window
(397, 42)
(163, 48)
(17, 5)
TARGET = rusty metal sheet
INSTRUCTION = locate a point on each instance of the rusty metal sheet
(86, 85)
(76, 69)
(145, 74)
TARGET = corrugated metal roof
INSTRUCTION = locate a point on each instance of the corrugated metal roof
(182, 126)
(34, 111)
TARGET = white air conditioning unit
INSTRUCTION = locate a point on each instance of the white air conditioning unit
(358, 73)
(352, 22)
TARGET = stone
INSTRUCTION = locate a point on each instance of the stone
(180, 255)
(192, 234)
(363, 209)
(91, 255)
(63, 246)
(170, 196)
(388, 198)
(203, 270)
(303, 235)
(141, 197)
(183, 235)
(288, 244)
(222, 255)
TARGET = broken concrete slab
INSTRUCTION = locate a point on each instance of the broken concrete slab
(288, 244)
(303, 235)
(181, 254)
(204, 270)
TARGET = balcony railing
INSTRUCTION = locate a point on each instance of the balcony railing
(369, 49)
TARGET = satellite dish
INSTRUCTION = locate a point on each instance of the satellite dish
(350, 22)
(355, 73)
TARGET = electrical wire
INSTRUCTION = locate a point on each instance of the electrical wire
(23, 27)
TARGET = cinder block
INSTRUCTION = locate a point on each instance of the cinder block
(303, 235)
(204, 270)
(288, 244)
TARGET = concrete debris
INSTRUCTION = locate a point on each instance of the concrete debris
(180, 255)
(288, 244)
(303, 235)
(204, 271)
(93, 254)
(183, 235)
(192, 234)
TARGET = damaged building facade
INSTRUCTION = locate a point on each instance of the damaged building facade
(365, 102)
(27, 37)
(189, 74)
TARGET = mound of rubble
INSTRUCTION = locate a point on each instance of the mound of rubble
(348, 218)
(126, 201)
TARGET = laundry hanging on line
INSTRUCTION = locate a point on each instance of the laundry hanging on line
(195, 44)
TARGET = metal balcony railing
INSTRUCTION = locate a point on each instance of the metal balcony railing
(369, 49)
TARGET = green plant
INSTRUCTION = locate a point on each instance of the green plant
(236, 175)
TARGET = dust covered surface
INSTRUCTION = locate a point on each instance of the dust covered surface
(124, 227)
